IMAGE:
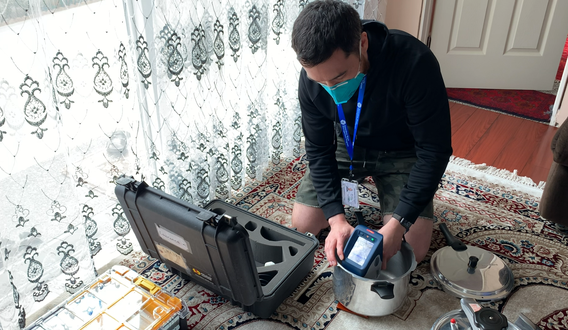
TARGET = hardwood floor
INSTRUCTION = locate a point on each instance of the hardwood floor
(502, 141)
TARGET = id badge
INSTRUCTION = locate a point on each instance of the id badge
(350, 193)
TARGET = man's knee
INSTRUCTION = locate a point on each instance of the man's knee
(419, 236)
(308, 218)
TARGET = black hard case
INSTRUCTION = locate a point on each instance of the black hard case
(252, 261)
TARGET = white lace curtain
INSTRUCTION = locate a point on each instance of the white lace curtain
(197, 98)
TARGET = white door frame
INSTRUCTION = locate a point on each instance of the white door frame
(426, 18)
(559, 96)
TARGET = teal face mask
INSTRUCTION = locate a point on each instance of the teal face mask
(342, 92)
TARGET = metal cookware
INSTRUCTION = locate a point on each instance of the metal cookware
(474, 317)
(376, 296)
(470, 272)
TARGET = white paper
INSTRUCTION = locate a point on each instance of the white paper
(171, 256)
(173, 238)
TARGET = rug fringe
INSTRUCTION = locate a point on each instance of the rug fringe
(513, 177)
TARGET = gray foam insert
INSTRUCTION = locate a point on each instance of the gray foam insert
(270, 242)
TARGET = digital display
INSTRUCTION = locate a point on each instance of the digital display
(360, 251)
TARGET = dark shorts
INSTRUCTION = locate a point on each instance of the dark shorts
(389, 169)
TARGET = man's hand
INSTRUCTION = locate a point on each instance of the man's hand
(339, 234)
(392, 239)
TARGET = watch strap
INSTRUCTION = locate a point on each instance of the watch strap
(405, 223)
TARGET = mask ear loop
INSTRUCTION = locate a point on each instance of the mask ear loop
(359, 69)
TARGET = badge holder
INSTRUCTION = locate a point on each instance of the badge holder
(350, 193)
(350, 190)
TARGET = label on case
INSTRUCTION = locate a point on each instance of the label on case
(171, 255)
(173, 238)
(203, 275)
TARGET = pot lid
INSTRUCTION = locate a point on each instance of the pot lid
(461, 322)
(471, 272)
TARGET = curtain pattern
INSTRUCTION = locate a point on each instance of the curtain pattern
(195, 97)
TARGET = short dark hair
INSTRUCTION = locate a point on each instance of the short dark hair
(323, 27)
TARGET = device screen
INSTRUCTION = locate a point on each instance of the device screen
(360, 251)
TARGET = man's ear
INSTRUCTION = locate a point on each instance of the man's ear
(364, 42)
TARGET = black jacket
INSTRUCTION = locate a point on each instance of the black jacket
(405, 107)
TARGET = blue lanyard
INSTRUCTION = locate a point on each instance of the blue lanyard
(350, 145)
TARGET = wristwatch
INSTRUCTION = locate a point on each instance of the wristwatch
(405, 223)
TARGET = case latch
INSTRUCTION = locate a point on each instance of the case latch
(214, 221)
(129, 182)
(232, 221)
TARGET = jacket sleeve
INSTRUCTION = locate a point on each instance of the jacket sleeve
(320, 145)
(428, 118)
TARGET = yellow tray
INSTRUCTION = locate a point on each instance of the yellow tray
(118, 299)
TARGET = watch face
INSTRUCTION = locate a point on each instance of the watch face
(406, 224)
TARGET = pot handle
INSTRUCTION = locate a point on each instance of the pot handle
(451, 240)
(384, 289)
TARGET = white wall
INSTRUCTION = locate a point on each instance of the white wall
(404, 15)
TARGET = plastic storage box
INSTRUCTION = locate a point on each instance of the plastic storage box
(252, 261)
(118, 299)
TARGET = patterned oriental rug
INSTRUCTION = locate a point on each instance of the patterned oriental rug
(529, 104)
(482, 206)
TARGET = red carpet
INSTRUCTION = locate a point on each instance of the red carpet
(562, 61)
(521, 103)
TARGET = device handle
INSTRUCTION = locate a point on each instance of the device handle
(360, 218)
(384, 289)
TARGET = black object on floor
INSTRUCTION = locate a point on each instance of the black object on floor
(252, 261)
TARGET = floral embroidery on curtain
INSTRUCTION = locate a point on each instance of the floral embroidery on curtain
(197, 98)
